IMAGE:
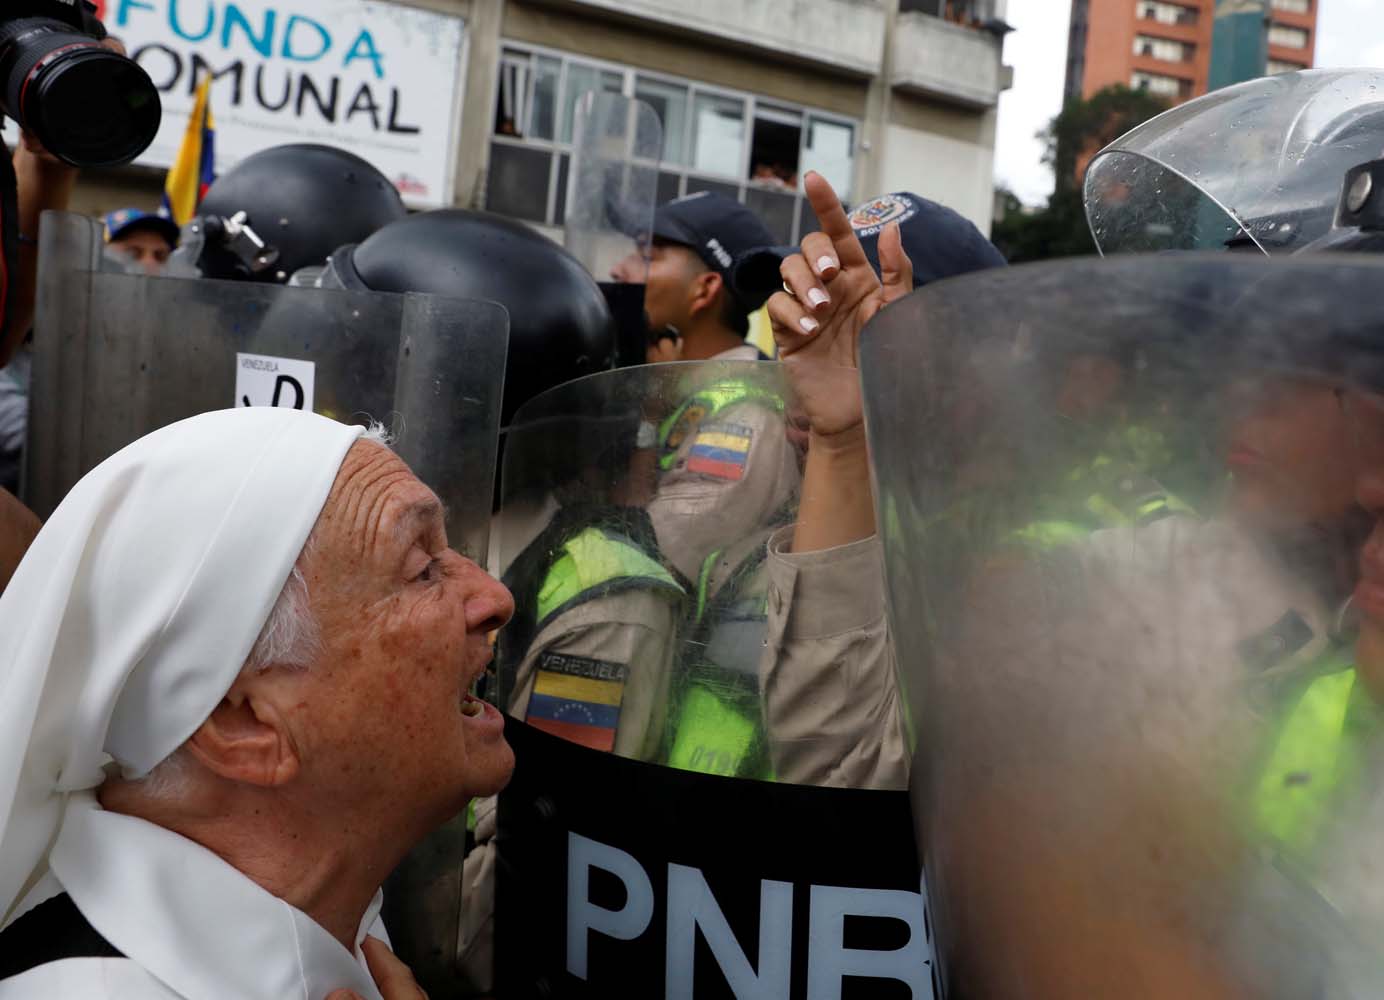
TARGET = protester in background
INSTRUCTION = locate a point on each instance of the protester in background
(143, 238)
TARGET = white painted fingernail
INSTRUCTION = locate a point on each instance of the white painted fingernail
(825, 264)
(808, 324)
(816, 297)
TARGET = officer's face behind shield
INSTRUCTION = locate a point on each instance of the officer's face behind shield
(1283, 449)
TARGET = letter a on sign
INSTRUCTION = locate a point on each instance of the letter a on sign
(264, 380)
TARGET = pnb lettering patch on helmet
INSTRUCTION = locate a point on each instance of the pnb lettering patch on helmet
(720, 450)
(869, 218)
(578, 699)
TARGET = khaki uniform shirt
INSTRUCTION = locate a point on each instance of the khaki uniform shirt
(696, 513)
(831, 703)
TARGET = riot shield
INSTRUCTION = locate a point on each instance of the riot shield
(1124, 507)
(656, 740)
(611, 192)
(1257, 166)
(119, 355)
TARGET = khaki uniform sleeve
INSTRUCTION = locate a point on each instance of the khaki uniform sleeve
(695, 513)
(831, 701)
(636, 629)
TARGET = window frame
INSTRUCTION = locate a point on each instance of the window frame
(1157, 47)
(524, 53)
(1178, 93)
(1277, 28)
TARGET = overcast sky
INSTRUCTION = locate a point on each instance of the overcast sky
(1350, 33)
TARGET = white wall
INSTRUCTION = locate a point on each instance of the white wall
(949, 171)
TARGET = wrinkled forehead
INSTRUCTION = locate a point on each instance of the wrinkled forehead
(375, 500)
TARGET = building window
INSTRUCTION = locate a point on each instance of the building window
(1277, 66)
(1163, 48)
(1157, 83)
(973, 13)
(749, 148)
(1289, 38)
(1293, 6)
(1166, 13)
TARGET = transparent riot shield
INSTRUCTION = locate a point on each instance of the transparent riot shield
(611, 192)
(667, 724)
(118, 355)
(1257, 166)
(1125, 507)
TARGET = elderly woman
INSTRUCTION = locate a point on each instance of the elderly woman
(233, 694)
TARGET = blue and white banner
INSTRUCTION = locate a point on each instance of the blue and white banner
(383, 80)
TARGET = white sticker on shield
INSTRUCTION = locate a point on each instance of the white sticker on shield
(262, 380)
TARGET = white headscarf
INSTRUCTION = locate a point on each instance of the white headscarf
(138, 603)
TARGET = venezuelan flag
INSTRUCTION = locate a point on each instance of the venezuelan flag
(721, 451)
(579, 709)
(195, 167)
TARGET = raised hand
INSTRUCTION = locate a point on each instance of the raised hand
(835, 292)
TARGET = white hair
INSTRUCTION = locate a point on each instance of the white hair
(290, 639)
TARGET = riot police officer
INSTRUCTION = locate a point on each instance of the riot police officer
(284, 209)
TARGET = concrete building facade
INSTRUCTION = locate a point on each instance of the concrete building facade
(1166, 46)
(878, 95)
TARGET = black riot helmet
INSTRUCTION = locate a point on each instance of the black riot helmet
(560, 327)
(1359, 222)
(287, 208)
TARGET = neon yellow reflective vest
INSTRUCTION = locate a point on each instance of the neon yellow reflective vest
(593, 563)
(1317, 753)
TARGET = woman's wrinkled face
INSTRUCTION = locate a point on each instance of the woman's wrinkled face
(386, 717)
(1288, 453)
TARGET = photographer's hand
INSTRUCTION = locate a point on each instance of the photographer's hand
(44, 182)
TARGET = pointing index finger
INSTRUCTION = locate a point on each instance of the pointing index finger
(831, 216)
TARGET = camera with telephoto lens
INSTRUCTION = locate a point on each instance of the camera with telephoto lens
(89, 105)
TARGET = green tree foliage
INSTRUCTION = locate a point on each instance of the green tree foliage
(1087, 126)
(1083, 127)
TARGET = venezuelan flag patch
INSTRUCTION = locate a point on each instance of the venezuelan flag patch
(720, 450)
(578, 699)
